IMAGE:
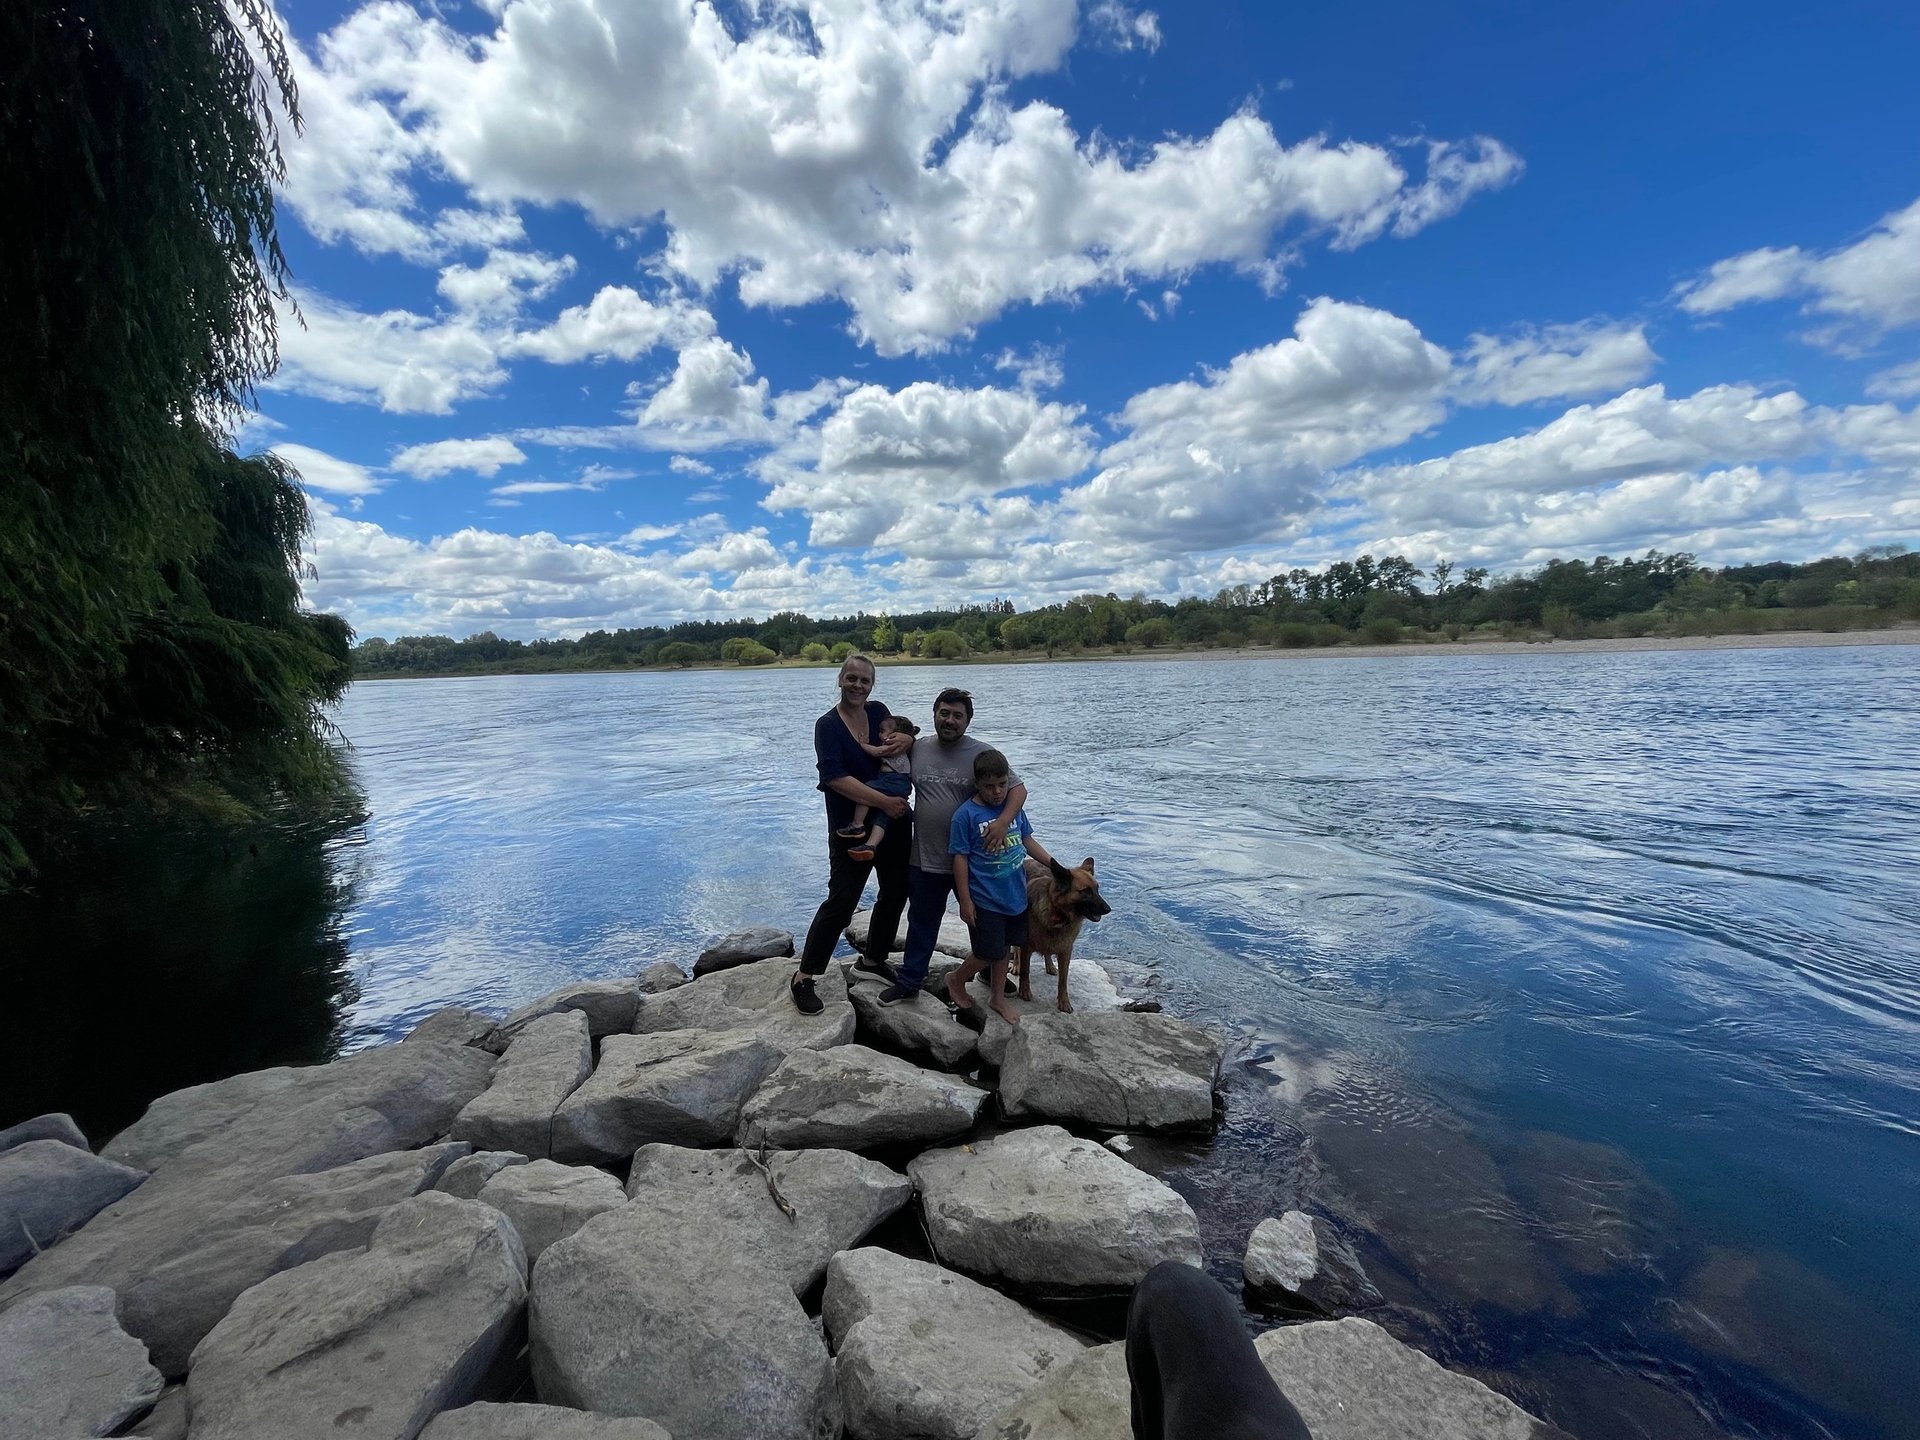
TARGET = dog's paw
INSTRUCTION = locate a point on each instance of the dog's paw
(1066, 1006)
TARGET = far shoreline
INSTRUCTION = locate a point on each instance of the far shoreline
(1492, 645)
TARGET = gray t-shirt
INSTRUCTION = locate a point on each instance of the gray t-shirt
(942, 783)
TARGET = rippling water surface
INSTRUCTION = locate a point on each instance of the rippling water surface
(1581, 991)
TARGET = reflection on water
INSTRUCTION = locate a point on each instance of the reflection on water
(1579, 993)
(166, 959)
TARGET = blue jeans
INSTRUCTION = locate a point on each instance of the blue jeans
(927, 892)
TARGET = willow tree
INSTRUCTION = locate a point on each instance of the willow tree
(150, 631)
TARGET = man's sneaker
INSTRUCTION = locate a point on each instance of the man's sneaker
(804, 1000)
(868, 966)
(894, 994)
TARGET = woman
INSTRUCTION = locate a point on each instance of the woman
(845, 770)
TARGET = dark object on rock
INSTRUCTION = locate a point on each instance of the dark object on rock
(1192, 1371)
(1139, 1006)
(743, 947)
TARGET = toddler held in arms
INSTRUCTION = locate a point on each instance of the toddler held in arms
(895, 778)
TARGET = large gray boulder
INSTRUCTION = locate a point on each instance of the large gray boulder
(743, 947)
(1118, 1070)
(1298, 1259)
(708, 1342)
(545, 1064)
(168, 1418)
(922, 1029)
(456, 1025)
(609, 1006)
(922, 1351)
(853, 1098)
(49, 1189)
(70, 1369)
(44, 1127)
(536, 1422)
(464, 1177)
(1041, 1210)
(717, 1205)
(750, 997)
(222, 1148)
(273, 1227)
(1089, 987)
(181, 1119)
(1349, 1380)
(660, 977)
(370, 1343)
(681, 1087)
(548, 1202)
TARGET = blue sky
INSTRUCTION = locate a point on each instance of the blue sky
(623, 311)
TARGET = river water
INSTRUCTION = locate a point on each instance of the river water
(1581, 992)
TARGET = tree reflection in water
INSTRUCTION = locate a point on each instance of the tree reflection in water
(168, 957)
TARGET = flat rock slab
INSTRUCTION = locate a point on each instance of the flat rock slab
(750, 997)
(921, 1029)
(660, 977)
(548, 1202)
(853, 1098)
(1349, 1380)
(1043, 1211)
(717, 1204)
(464, 1177)
(457, 1025)
(371, 1343)
(49, 1189)
(1299, 1259)
(70, 1369)
(922, 1351)
(679, 1087)
(44, 1127)
(545, 1064)
(743, 947)
(1089, 987)
(276, 1226)
(536, 1422)
(705, 1340)
(222, 1147)
(609, 1006)
(1118, 1070)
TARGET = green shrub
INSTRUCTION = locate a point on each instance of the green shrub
(1329, 635)
(1382, 630)
(945, 645)
(1295, 636)
(682, 652)
(1151, 633)
(814, 652)
(1452, 629)
(840, 652)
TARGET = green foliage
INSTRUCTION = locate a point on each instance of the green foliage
(1295, 636)
(682, 652)
(744, 650)
(1151, 634)
(1016, 633)
(944, 645)
(1383, 630)
(840, 652)
(150, 638)
(886, 638)
(815, 652)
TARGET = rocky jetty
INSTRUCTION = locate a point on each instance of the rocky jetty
(659, 1209)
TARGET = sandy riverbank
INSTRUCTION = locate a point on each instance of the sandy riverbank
(1778, 640)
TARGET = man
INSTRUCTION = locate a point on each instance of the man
(942, 780)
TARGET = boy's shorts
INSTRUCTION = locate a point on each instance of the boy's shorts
(992, 934)
(892, 782)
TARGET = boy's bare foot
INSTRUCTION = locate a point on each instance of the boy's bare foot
(957, 991)
(1005, 1011)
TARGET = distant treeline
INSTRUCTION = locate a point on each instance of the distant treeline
(1365, 600)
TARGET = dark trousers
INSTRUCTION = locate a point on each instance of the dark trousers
(927, 892)
(1194, 1373)
(846, 880)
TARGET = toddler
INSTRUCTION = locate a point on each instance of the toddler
(895, 778)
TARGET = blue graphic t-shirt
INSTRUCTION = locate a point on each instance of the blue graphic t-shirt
(997, 882)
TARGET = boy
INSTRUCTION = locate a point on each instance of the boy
(991, 884)
(895, 778)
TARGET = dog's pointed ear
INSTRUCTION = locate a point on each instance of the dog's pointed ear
(1087, 864)
(1061, 875)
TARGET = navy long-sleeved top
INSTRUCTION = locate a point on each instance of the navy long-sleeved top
(837, 754)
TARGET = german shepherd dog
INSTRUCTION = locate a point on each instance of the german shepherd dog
(1059, 902)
